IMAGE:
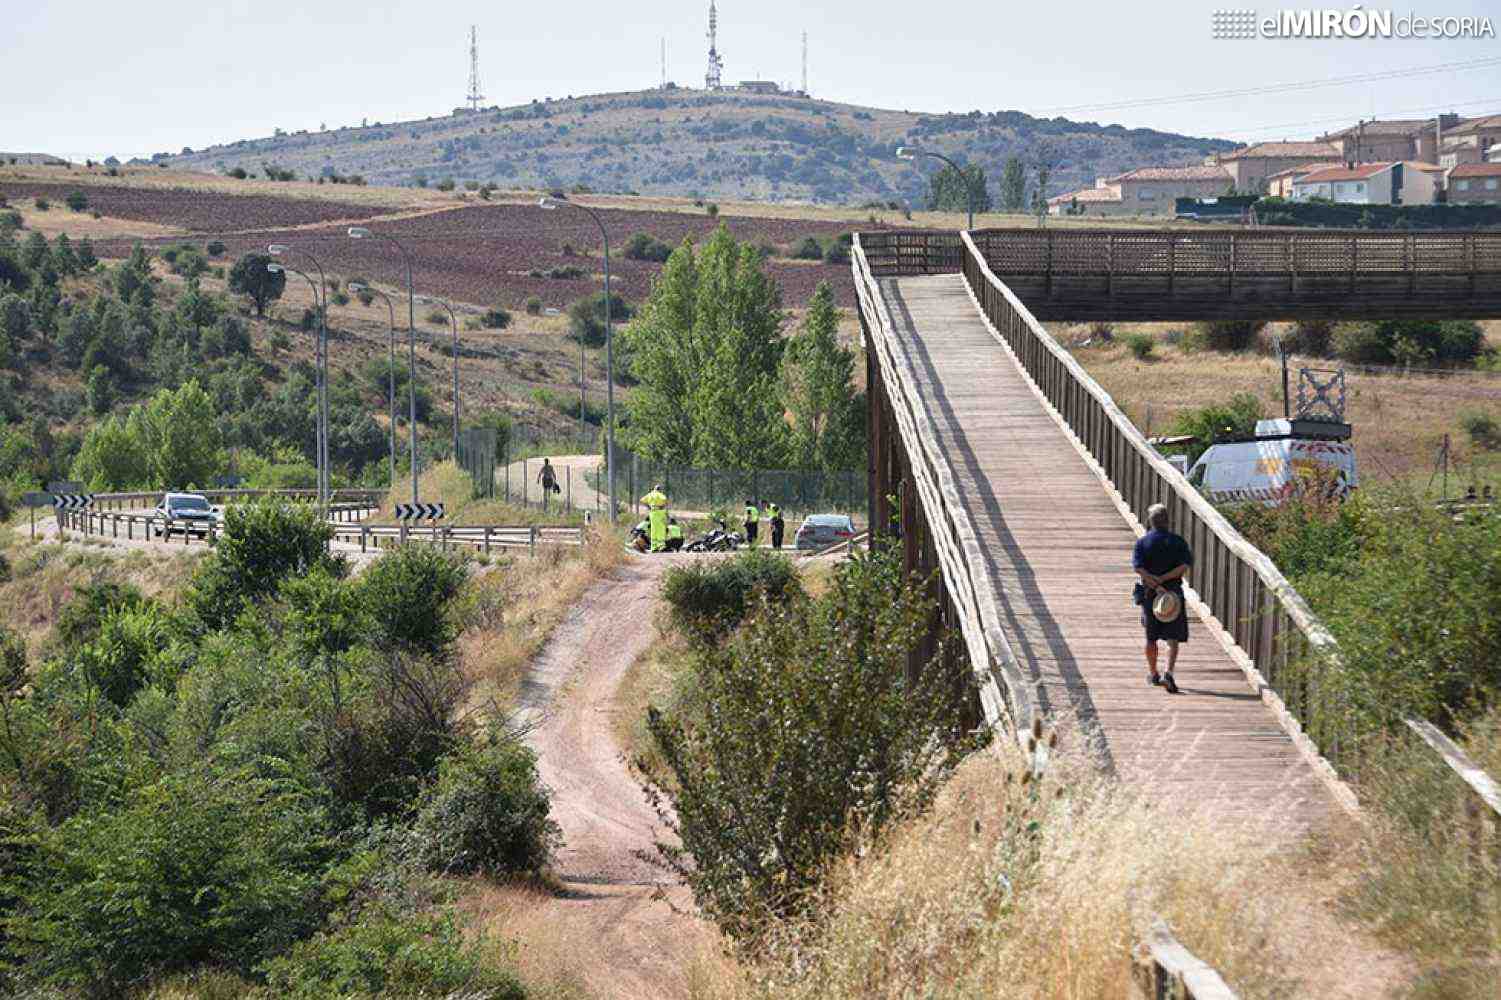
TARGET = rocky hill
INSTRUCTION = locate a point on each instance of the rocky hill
(694, 143)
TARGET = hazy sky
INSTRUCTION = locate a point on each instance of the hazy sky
(91, 78)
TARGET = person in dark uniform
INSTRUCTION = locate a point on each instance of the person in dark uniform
(1162, 559)
(778, 526)
(752, 522)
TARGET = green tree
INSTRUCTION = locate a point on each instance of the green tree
(250, 277)
(100, 390)
(112, 457)
(1013, 185)
(950, 190)
(706, 350)
(179, 435)
(196, 308)
(262, 544)
(828, 415)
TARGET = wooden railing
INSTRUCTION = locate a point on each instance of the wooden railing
(1079, 274)
(1240, 586)
(1482, 809)
(1165, 970)
(1005, 698)
(914, 251)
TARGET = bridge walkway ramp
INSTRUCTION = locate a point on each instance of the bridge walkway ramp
(1058, 551)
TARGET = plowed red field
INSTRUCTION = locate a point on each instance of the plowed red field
(199, 211)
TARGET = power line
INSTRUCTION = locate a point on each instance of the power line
(1281, 88)
(1386, 116)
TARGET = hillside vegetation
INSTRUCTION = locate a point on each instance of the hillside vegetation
(682, 142)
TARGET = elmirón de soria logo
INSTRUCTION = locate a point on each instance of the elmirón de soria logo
(1352, 22)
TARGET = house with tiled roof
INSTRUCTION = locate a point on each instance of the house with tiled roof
(1250, 166)
(1471, 141)
(1280, 184)
(1412, 139)
(1403, 183)
(1475, 184)
(1144, 191)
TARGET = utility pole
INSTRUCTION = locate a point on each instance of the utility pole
(805, 63)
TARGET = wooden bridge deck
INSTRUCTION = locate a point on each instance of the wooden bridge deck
(1058, 552)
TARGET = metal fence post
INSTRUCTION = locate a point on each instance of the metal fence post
(531, 540)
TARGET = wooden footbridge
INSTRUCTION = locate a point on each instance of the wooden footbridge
(1005, 467)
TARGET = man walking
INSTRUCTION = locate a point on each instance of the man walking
(752, 522)
(548, 477)
(1162, 559)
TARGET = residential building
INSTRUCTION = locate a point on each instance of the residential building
(1388, 141)
(1143, 191)
(1457, 151)
(1280, 184)
(1475, 184)
(1403, 183)
(1472, 141)
(1360, 184)
(1250, 166)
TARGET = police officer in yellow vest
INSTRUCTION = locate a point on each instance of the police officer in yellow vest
(656, 516)
(752, 522)
(774, 515)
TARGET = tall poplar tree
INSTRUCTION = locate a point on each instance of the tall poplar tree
(828, 415)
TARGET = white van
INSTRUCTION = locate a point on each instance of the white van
(1284, 455)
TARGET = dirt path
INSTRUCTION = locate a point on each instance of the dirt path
(622, 924)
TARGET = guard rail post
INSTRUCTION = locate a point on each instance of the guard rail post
(364, 536)
(487, 539)
(531, 540)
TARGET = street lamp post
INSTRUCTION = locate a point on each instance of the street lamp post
(454, 321)
(552, 203)
(913, 152)
(360, 233)
(320, 359)
(320, 452)
(358, 287)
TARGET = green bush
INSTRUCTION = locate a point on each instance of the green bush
(496, 318)
(407, 593)
(1311, 337)
(808, 249)
(118, 661)
(76, 201)
(203, 867)
(1232, 419)
(712, 598)
(215, 248)
(486, 813)
(1224, 335)
(388, 954)
(586, 317)
(41, 204)
(1140, 345)
(1419, 343)
(261, 545)
(533, 306)
(82, 618)
(816, 732)
(1481, 426)
(644, 246)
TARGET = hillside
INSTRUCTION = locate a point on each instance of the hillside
(692, 143)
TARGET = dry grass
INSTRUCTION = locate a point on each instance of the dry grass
(511, 608)
(44, 576)
(1399, 422)
(58, 219)
(1040, 890)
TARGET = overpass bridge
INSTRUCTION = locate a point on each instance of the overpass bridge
(1004, 467)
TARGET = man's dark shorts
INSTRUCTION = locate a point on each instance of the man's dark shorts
(1177, 629)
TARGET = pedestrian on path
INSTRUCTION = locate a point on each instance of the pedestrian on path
(548, 477)
(1162, 559)
(752, 522)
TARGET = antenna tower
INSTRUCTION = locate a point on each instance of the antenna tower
(805, 63)
(716, 64)
(474, 95)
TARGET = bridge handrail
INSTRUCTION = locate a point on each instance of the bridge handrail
(1244, 590)
(1004, 692)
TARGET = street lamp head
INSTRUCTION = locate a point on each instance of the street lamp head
(275, 268)
(907, 152)
(277, 249)
(358, 232)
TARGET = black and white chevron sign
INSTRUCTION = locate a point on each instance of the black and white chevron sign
(418, 511)
(72, 501)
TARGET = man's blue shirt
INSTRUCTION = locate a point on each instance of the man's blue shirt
(1160, 552)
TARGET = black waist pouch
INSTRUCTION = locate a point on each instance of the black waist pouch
(1138, 594)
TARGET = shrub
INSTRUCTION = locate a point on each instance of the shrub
(815, 725)
(201, 867)
(486, 813)
(407, 593)
(712, 598)
(1140, 345)
(82, 618)
(495, 318)
(437, 317)
(568, 272)
(837, 253)
(1235, 418)
(77, 201)
(340, 299)
(446, 184)
(117, 663)
(41, 204)
(1418, 343)
(533, 306)
(712, 210)
(808, 249)
(387, 954)
(215, 248)
(644, 246)
(261, 545)
(586, 317)
(1227, 335)
(1482, 428)
(238, 173)
(1359, 343)
(1311, 337)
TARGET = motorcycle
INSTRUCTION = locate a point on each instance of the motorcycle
(719, 539)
